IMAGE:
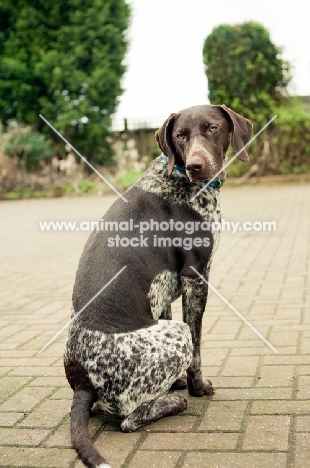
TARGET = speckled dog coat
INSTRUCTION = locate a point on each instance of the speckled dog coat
(123, 351)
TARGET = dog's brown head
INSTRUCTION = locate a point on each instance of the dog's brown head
(198, 138)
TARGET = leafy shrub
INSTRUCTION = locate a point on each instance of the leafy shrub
(290, 141)
(245, 70)
(26, 144)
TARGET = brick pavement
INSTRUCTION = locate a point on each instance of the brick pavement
(260, 413)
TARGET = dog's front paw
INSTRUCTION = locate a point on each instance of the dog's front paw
(200, 388)
(208, 388)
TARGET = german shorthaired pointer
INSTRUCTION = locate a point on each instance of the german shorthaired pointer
(124, 352)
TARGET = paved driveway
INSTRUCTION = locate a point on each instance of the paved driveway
(260, 413)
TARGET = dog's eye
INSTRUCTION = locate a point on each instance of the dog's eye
(212, 128)
(181, 136)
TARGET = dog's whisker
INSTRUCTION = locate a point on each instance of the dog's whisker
(81, 310)
(235, 310)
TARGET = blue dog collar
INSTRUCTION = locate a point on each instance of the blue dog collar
(216, 184)
(176, 166)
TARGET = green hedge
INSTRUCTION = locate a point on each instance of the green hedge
(22, 142)
(288, 141)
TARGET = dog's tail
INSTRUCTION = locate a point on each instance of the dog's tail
(81, 406)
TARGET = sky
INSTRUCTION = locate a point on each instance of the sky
(165, 71)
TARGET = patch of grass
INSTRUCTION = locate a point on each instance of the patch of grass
(68, 189)
(86, 185)
(81, 187)
(128, 179)
(14, 195)
(26, 192)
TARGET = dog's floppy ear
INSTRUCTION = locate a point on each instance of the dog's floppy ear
(241, 132)
(163, 138)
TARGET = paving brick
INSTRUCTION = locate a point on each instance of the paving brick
(213, 357)
(193, 441)
(303, 370)
(9, 419)
(304, 388)
(61, 437)
(154, 459)
(9, 330)
(232, 382)
(219, 341)
(8, 353)
(280, 407)
(267, 433)
(223, 416)
(115, 447)
(49, 382)
(38, 371)
(287, 349)
(265, 275)
(249, 351)
(303, 442)
(195, 406)
(284, 338)
(48, 414)
(22, 436)
(36, 457)
(279, 360)
(224, 339)
(236, 460)
(281, 377)
(210, 371)
(305, 341)
(65, 393)
(248, 334)
(301, 460)
(241, 365)
(20, 362)
(8, 345)
(25, 399)
(302, 423)
(9, 385)
(177, 423)
(291, 325)
(226, 326)
(56, 348)
(278, 393)
(21, 336)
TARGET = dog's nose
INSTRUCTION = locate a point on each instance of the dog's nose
(194, 168)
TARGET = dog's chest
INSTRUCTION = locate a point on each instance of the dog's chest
(165, 288)
(178, 190)
(202, 213)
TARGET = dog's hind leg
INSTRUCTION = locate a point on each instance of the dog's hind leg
(180, 383)
(151, 411)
